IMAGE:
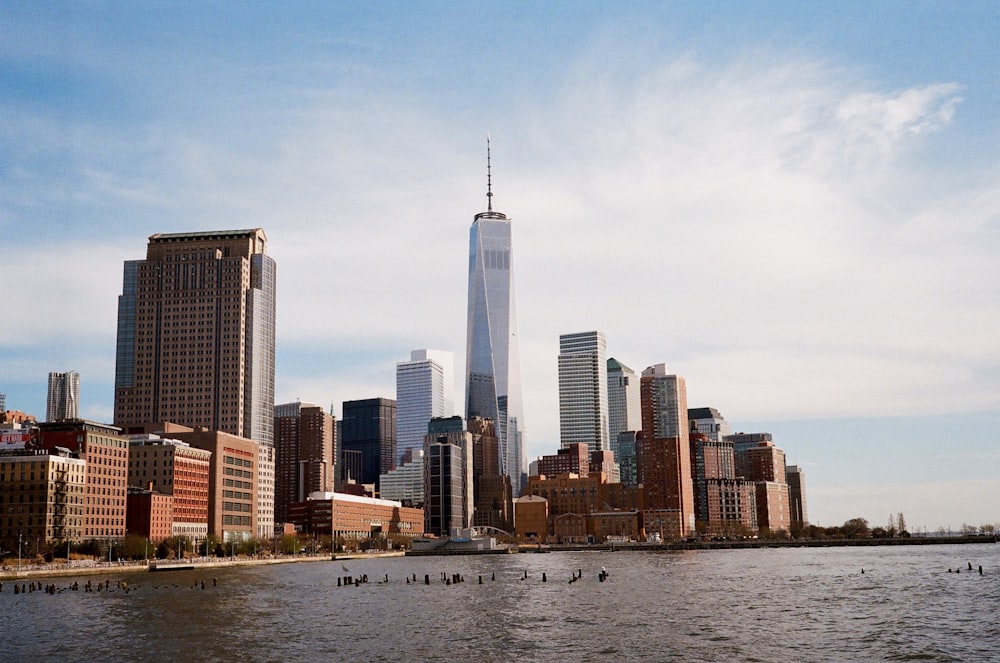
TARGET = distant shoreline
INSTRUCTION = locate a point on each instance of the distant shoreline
(103, 568)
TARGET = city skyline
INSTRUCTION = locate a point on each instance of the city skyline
(797, 204)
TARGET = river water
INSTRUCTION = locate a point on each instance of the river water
(795, 604)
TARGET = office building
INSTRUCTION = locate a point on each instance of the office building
(448, 490)
(664, 462)
(571, 459)
(425, 388)
(710, 423)
(795, 476)
(583, 390)
(369, 426)
(493, 370)
(625, 456)
(168, 466)
(303, 454)
(405, 484)
(64, 396)
(492, 492)
(196, 342)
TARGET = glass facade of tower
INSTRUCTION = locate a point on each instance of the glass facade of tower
(423, 391)
(493, 374)
(583, 390)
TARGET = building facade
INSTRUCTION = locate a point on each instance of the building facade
(196, 341)
(448, 489)
(174, 468)
(42, 498)
(493, 363)
(233, 477)
(664, 462)
(624, 408)
(571, 459)
(425, 388)
(492, 492)
(354, 517)
(405, 484)
(304, 444)
(795, 476)
(64, 396)
(369, 426)
(105, 451)
(583, 390)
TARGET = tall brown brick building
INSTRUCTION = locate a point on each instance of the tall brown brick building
(664, 460)
(305, 443)
(196, 341)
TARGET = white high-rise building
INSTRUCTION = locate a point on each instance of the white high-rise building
(583, 390)
(493, 361)
(425, 388)
(64, 396)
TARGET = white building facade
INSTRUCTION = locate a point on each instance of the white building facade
(425, 388)
(583, 390)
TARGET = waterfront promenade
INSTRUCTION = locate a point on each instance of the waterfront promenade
(89, 567)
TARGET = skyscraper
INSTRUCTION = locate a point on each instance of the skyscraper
(196, 342)
(624, 411)
(424, 389)
(64, 396)
(369, 426)
(665, 458)
(304, 454)
(583, 390)
(493, 364)
(448, 488)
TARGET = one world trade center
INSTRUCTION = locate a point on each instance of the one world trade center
(492, 361)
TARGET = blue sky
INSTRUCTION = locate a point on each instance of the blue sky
(795, 205)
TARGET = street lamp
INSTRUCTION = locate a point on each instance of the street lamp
(18, 551)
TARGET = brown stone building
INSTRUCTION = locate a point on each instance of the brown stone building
(664, 456)
(492, 492)
(196, 341)
(571, 459)
(304, 444)
(531, 518)
(105, 451)
(42, 498)
(175, 468)
(773, 506)
(232, 484)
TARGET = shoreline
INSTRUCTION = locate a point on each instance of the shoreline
(194, 564)
(162, 566)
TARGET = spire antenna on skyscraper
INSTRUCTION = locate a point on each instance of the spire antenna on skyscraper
(489, 177)
(489, 213)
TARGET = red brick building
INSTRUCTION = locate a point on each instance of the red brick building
(355, 517)
(150, 514)
(105, 450)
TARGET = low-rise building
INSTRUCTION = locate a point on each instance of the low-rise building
(150, 514)
(531, 518)
(354, 517)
